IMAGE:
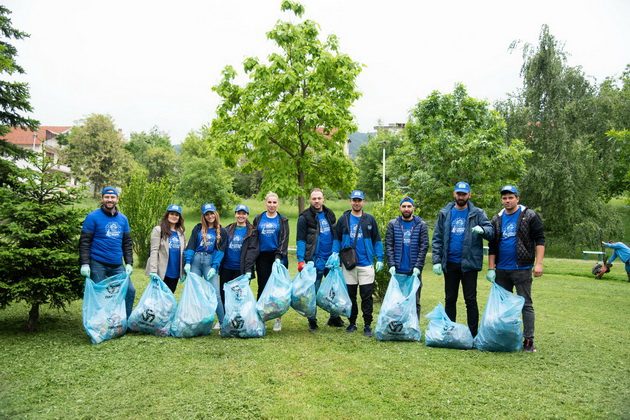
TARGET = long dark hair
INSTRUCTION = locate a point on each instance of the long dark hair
(165, 226)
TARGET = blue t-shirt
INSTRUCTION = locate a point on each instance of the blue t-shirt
(360, 246)
(232, 258)
(108, 235)
(268, 230)
(174, 256)
(508, 259)
(211, 240)
(457, 234)
(405, 262)
(324, 248)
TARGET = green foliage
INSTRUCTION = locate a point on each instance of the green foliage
(38, 241)
(144, 203)
(96, 152)
(451, 138)
(155, 153)
(292, 118)
(370, 162)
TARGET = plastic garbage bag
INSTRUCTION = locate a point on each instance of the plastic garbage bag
(275, 300)
(442, 332)
(104, 309)
(397, 319)
(303, 296)
(154, 312)
(195, 313)
(501, 325)
(332, 295)
(241, 318)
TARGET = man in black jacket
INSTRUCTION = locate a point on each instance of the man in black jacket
(518, 246)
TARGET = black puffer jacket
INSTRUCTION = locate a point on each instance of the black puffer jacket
(529, 235)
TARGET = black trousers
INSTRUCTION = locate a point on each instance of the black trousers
(171, 283)
(453, 276)
(367, 302)
(225, 275)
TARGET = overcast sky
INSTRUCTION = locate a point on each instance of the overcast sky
(153, 62)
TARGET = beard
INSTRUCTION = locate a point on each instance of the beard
(406, 214)
(461, 202)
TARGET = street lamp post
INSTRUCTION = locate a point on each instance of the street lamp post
(384, 143)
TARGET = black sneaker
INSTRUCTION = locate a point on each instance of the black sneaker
(312, 326)
(367, 331)
(528, 345)
(336, 322)
(351, 328)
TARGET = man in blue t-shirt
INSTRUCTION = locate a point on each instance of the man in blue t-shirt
(314, 239)
(458, 252)
(105, 241)
(518, 246)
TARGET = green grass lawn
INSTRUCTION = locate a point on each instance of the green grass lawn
(581, 369)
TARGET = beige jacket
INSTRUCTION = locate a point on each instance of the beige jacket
(158, 259)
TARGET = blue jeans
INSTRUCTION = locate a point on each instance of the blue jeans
(201, 264)
(100, 271)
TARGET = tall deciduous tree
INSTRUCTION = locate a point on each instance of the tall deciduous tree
(154, 151)
(451, 138)
(38, 241)
(96, 152)
(293, 117)
(14, 102)
(369, 162)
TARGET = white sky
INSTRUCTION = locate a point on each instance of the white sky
(153, 62)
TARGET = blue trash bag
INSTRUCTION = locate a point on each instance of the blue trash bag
(275, 300)
(397, 319)
(104, 309)
(241, 318)
(442, 332)
(303, 295)
(500, 328)
(332, 295)
(154, 312)
(195, 313)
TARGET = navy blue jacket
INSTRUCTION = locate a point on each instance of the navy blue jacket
(472, 251)
(419, 242)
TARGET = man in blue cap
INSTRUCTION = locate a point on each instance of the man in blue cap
(458, 252)
(407, 243)
(518, 246)
(359, 230)
(105, 241)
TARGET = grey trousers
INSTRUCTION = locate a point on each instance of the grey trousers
(522, 281)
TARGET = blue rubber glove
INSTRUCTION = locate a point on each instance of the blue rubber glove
(129, 269)
(211, 273)
(437, 269)
(248, 275)
(154, 276)
(392, 270)
(379, 266)
(478, 230)
(416, 271)
(491, 275)
(187, 269)
(85, 270)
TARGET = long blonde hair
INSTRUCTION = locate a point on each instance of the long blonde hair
(205, 226)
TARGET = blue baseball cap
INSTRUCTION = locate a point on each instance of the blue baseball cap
(509, 189)
(175, 208)
(109, 190)
(407, 200)
(207, 207)
(241, 207)
(462, 187)
(357, 194)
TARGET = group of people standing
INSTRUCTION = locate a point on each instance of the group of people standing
(220, 254)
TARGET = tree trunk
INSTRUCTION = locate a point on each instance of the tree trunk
(33, 318)
(301, 197)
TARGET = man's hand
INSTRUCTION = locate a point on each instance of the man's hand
(538, 270)
(300, 265)
(129, 269)
(491, 275)
(478, 230)
(416, 272)
(379, 266)
(85, 270)
(437, 269)
(392, 270)
(248, 275)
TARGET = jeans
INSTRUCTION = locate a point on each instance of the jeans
(522, 280)
(201, 264)
(453, 275)
(100, 271)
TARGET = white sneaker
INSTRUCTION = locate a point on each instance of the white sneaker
(217, 326)
(278, 325)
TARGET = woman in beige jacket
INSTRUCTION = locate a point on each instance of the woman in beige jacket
(168, 242)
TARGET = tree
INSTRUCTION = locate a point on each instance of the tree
(154, 151)
(96, 152)
(38, 241)
(293, 117)
(451, 138)
(369, 162)
(14, 102)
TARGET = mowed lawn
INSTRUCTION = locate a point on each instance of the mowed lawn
(581, 369)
